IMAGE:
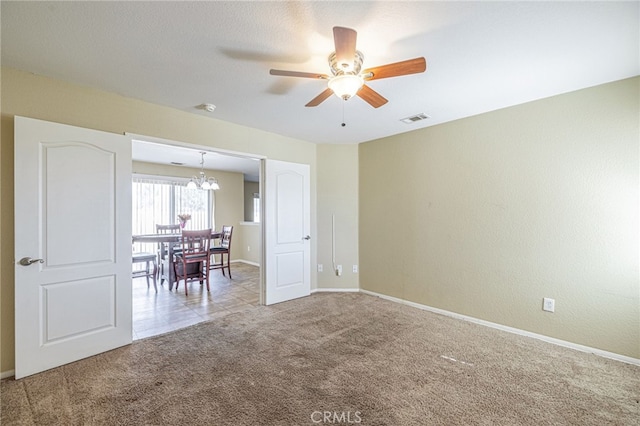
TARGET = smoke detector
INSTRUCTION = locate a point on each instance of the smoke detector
(206, 107)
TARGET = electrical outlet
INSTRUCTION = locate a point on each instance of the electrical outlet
(339, 270)
(355, 269)
(248, 248)
(320, 267)
(548, 305)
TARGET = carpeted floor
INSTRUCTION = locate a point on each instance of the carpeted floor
(331, 359)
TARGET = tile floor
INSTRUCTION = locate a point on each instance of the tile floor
(157, 313)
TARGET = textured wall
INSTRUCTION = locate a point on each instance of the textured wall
(338, 195)
(487, 215)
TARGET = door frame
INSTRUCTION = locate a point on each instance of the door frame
(134, 136)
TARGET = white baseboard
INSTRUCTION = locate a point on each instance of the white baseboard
(248, 262)
(335, 290)
(7, 374)
(581, 348)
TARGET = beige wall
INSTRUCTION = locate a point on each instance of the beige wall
(250, 246)
(338, 195)
(33, 96)
(228, 199)
(487, 215)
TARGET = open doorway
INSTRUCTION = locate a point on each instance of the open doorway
(167, 167)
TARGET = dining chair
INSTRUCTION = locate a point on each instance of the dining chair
(224, 248)
(192, 261)
(163, 248)
(168, 229)
(150, 260)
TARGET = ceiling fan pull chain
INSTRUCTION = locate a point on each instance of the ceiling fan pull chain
(343, 123)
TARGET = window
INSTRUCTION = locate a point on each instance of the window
(160, 201)
(256, 207)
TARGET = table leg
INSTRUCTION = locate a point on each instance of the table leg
(171, 276)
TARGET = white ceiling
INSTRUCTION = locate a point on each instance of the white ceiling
(481, 56)
(166, 153)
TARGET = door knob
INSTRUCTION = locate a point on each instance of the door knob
(308, 237)
(26, 261)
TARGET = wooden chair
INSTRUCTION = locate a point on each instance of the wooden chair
(147, 258)
(168, 229)
(163, 249)
(223, 249)
(192, 261)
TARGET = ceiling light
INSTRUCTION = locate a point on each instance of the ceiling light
(203, 182)
(346, 85)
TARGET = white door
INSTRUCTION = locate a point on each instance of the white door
(73, 220)
(287, 231)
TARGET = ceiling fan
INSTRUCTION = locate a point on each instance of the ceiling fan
(347, 79)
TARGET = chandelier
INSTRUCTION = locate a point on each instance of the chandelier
(203, 182)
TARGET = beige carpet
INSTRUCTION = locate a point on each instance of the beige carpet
(330, 359)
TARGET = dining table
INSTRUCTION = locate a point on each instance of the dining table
(170, 242)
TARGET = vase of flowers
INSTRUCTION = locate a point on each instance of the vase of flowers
(183, 218)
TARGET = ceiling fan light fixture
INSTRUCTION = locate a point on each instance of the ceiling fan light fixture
(348, 79)
(345, 86)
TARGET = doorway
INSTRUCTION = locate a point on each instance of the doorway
(176, 163)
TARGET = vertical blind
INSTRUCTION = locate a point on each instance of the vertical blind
(160, 201)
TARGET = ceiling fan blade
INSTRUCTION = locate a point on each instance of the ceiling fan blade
(320, 98)
(299, 74)
(410, 66)
(345, 41)
(372, 97)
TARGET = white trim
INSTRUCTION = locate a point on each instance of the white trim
(7, 374)
(249, 223)
(146, 138)
(336, 290)
(248, 262)
(570, 345)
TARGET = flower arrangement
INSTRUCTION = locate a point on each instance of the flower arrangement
(183, 218)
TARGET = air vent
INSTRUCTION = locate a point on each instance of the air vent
(414, 118)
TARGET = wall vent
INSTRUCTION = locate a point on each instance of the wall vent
(414, 118)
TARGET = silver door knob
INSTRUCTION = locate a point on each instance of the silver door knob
(26, 261)
(308, 237)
